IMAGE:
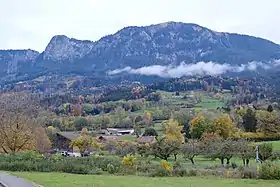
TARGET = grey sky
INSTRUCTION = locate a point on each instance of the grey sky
(32, 23)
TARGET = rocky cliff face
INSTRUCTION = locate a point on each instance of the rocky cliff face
(14, 61)
(62, 48)
(160, 44)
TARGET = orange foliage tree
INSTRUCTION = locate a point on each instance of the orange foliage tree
(17, 113)
(43, 143)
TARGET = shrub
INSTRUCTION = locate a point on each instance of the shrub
(143, 149)
(26, 155)
(269, 171)
(76, 169)
(56, 157)
(110, 164)
(129, 160)
(168, 167)
(84, 165)
(150, 132)
(112, 168)
(275, 156)
(31, 155)
(257, 136)
(180, 172)
(192, 172)
(159, 172)
(126, 148)
(146, 166)
(247, 173)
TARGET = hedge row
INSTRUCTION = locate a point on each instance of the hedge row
(257, 137)
(113, 165)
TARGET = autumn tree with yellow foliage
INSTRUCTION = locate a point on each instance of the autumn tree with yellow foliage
(198, 126)
(173, 131)
(170, 143)
(19, 124)
(148, 119)
(223, 126)
(85, 142)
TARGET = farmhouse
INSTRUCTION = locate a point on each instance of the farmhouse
(120, 132)
(63, 140)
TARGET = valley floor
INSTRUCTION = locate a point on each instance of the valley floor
(71, 180)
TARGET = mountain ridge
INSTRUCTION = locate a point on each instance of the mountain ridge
(138, 46)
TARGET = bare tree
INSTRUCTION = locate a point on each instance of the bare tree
(245, 151)
(191, 150)
(221, 149)
(163, 148)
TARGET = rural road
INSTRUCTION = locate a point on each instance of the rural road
(7, 180)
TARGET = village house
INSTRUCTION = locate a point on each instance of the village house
(63, 140)
(115, 132)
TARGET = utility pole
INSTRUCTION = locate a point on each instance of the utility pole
(257, 153)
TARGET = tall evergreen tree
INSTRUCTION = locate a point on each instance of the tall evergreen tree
(250, 121)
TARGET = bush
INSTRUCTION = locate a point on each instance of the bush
(180, 172)
(129, 160)
(29, 162)
(168, 167)
(257, 136)
(150, 132)
(146, 166)
(112, 168)
(248, 173)
(76, 169)
(109, 164)
(275, 156)
(84, 165)
(56, 157)
(193, 172)
(159, 172)
(31, 155)
(269, 171)
(26, 155)
(126, 148)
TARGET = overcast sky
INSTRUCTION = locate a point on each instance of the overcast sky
(32, 23)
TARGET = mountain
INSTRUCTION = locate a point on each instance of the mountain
(62, 48)
(173, 42)
(16, 63)
(160, 44)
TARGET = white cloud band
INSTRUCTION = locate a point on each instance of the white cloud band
(199, 68)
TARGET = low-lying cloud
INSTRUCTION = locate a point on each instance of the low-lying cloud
(199, 68)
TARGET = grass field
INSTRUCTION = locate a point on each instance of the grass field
(210, 103)
(276, 144)
(70, 180)
(206, 101)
